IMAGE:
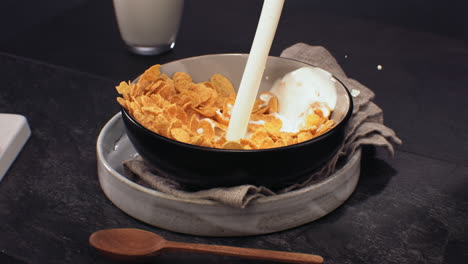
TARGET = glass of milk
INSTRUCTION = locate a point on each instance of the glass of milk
(149, 27)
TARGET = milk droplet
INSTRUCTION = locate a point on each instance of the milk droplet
(355, 93)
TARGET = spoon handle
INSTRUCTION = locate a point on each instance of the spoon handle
(251, 253)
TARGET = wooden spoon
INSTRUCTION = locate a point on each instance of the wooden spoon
(130, 243)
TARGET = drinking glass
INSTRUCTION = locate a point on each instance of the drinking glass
(149, 27)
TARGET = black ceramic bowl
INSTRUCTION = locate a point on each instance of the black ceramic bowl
(202, 167)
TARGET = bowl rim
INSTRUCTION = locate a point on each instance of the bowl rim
(101, 159)
(343, 122)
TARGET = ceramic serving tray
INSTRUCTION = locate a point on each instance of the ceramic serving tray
(209, 218)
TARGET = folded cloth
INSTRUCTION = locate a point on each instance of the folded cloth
(365, 127)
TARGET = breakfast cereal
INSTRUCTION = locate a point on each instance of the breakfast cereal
(198, 113)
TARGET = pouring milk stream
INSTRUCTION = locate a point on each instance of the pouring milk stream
(250, 83)
(298, 92)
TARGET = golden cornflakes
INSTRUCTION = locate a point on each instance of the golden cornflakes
(199, 113)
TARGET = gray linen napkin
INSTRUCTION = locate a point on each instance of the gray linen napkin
(365, 128)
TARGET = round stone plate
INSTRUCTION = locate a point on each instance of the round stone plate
(208, 218)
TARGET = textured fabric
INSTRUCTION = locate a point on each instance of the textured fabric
(365, 128)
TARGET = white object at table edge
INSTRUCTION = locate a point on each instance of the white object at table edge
(14, 132)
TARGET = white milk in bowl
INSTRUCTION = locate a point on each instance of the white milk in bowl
(149, 26)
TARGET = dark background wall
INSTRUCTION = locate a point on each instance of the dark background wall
(83, 34)
(447, 17)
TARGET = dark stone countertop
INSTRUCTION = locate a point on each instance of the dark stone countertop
(60, 71)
